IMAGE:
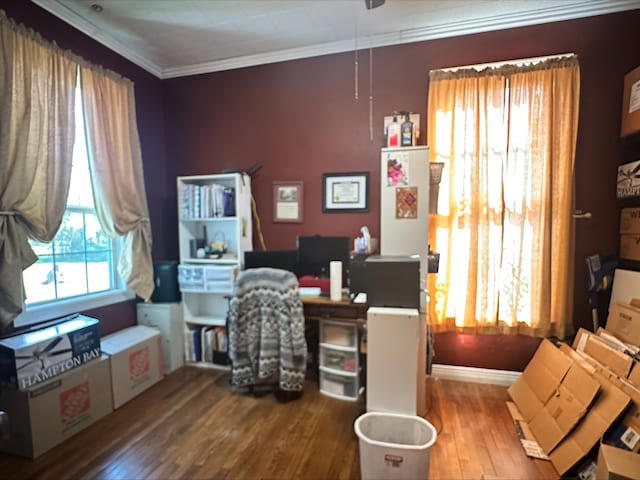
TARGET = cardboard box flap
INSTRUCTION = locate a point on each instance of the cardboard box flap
(127, 338)
(542, 377)
(608, 406)
(528, 441)
(526, 400)
(564, 409)
(616, 463)
(624, 322)
(616, 361)
(616, 343)
(634, 376)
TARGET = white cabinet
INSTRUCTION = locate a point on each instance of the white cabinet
(166, 317)
(214, 217)
(404, 205)
(340, 367)
(396, 360)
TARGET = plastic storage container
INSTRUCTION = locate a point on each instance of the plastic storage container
(394, 446)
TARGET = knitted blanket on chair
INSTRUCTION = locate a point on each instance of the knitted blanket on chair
(266, 329)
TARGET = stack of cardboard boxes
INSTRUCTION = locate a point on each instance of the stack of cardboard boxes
(55, 380)
(570, 399)
(630, 232)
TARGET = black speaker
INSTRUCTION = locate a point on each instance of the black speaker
(165, 279)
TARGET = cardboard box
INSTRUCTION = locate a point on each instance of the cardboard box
(617, 464)
(564, 409)
(38, 355)
(634, 376)
(631, 103)
(594, 346)
(135, 356)
(624, 322)
(630, 247)
(540, 380)
(46, 415)
(628, 183)
(609, 404)
(630, 220)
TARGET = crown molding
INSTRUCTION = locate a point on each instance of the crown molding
(567, 11)
(65, 14)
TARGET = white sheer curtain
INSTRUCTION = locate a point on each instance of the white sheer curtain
(115, 162)
(37, 83)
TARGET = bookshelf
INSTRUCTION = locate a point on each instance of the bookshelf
(214, 231)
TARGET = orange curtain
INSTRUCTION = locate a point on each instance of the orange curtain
(504, 228)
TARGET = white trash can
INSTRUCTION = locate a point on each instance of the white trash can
(394, 446)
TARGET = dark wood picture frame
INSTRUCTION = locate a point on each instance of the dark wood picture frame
(287, 202)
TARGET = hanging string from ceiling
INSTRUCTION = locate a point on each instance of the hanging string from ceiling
(370, 91)
(355, 65)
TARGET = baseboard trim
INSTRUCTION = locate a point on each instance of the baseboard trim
(476, 375)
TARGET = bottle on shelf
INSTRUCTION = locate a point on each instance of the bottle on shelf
(393, 132)
(406, 138)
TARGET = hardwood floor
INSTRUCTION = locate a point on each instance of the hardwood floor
(191, 426)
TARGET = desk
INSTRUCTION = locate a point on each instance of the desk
(322, 309)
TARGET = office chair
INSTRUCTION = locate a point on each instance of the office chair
(266, 330)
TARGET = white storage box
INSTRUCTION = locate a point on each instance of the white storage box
(200, 278)
(394, 446)
(51, 412)
(135, 356)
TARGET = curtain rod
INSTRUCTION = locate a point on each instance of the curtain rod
(518, 61)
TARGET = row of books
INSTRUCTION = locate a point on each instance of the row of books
(206, 201)
(205, 344)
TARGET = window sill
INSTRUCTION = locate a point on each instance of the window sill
(41, 313)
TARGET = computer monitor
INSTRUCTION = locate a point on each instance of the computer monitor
(315, 252)
(283, 259)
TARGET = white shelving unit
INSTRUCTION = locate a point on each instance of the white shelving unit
(214, 217)
(340, 368)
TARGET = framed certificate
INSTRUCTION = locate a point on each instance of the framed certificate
(345, 192)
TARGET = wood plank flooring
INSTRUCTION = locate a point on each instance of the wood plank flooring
(192, 426)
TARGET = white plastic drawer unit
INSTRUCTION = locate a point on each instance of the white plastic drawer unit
(205, 278)
(338, 333)
(338, 359)
(338, 386)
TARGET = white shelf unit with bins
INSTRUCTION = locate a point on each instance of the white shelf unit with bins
(339, 355)
(214, 217)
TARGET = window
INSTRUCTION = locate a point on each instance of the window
(503, 228)
(77, 269)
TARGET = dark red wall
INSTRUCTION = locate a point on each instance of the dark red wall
(299, 119)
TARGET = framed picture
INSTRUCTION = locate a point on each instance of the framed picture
(345, 192)
(287, 202)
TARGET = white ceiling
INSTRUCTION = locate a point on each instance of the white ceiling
(173, 38)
